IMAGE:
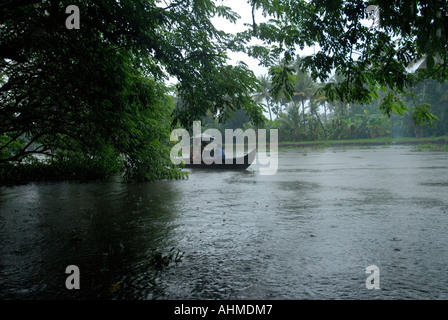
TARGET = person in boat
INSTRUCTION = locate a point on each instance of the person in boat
(198, 156)
(220, 152)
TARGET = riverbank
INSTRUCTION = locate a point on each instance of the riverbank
(421, 143)
(443, 141)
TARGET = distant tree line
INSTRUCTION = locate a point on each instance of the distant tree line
(309, 115)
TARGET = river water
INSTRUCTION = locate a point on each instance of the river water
(307, 232)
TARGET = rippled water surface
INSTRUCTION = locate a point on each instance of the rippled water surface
(307, 232)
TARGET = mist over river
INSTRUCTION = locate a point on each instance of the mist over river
(307, 232)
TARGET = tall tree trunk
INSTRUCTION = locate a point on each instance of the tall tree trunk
(392, 124)
(325, 113)
(303, 114)
(269, 108)
(418, 131)
(321, 124)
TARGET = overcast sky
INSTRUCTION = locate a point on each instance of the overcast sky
(244, 9)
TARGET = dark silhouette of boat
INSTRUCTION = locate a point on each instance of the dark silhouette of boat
(239, 163)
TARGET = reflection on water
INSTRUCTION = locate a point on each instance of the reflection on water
(307, 232)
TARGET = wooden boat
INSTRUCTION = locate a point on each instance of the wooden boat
(240, 163)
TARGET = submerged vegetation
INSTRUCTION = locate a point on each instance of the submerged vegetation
(73, 167)
(94, 101)
(160, 260)
(432, 147)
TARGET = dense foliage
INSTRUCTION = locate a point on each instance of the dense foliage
(96, 96)
(98, 91)
(370, 55)
(309, 115)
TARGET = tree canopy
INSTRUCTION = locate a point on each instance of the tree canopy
(101, 87)
(370, 56)
(98, 92)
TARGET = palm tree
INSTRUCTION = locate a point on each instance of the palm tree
(264, 93)
(304, 88)
(314, 112)
(289, 122)
(321, 100)
(338, 79)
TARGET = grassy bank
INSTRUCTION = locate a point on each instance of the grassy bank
(439, 141)
(432, 147)
(431, 143)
